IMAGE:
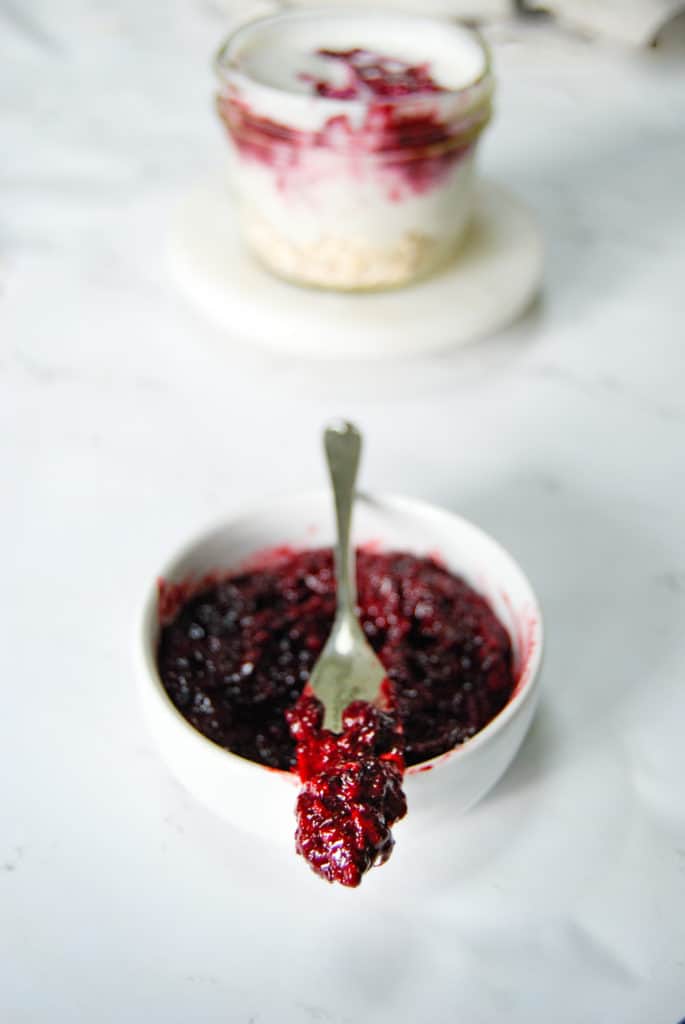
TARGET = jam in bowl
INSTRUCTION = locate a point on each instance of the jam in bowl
(235, 621)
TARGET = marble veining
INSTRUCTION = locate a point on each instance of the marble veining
(128, 422)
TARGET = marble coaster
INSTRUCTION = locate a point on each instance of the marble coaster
(492, 280)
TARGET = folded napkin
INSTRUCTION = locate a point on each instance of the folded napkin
(636, 22)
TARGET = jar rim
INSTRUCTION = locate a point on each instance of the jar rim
(229, 71)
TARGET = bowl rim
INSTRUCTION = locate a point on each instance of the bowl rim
(149, 678)
(227, 69)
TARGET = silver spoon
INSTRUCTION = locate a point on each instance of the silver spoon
(347, 668)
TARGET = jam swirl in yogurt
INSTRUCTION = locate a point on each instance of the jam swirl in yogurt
(370, 74)
(411, 144)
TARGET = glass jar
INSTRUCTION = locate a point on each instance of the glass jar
(353, 135)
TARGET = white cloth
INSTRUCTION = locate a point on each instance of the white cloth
(632, 21)
(635, 22)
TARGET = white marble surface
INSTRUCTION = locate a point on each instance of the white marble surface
(128, 421)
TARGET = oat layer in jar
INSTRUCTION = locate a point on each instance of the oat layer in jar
(353, 137)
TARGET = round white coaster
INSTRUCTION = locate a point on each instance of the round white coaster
(492, 280)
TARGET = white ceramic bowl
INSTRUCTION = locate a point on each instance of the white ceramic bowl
(261, 800)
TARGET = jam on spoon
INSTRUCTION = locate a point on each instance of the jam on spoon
(349, 753)
(228, 661)
(351, 789)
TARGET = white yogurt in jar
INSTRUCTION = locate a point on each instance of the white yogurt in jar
(354, 135)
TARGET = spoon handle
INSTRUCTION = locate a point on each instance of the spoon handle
(343, 444)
